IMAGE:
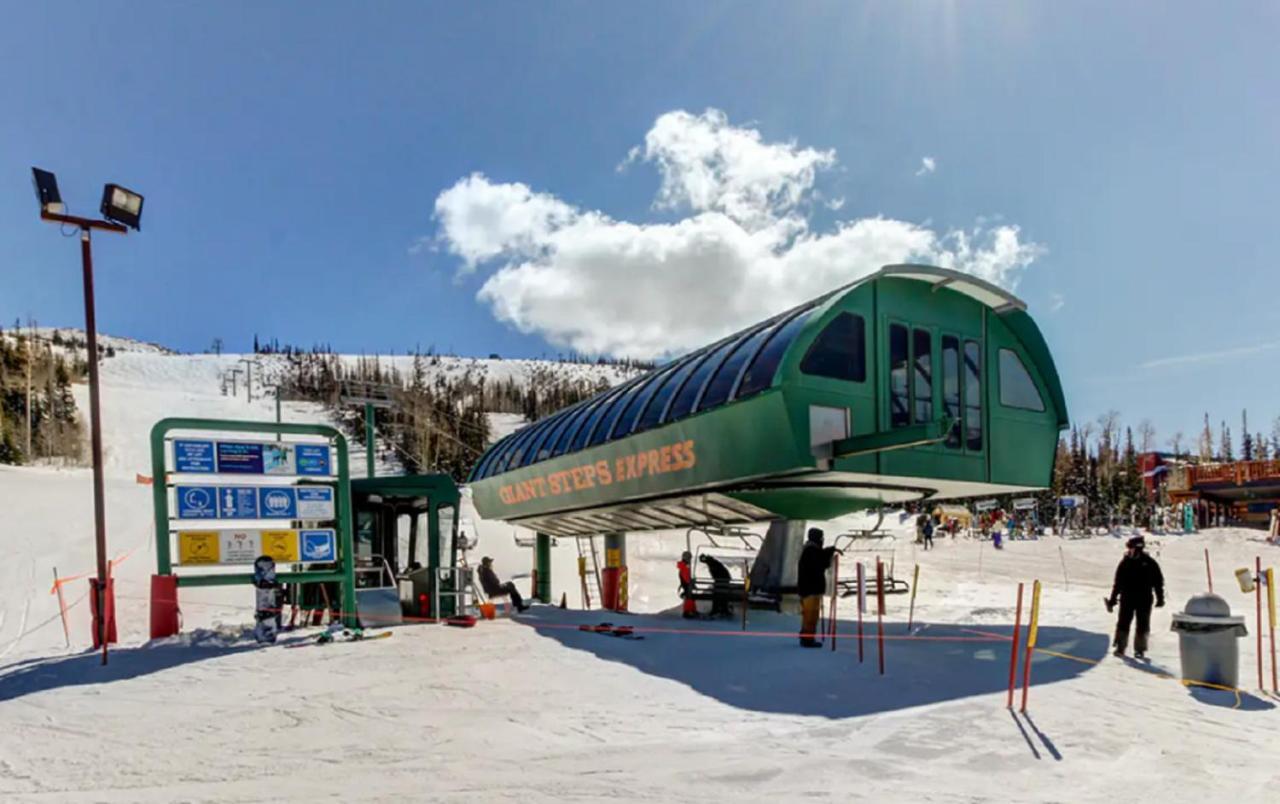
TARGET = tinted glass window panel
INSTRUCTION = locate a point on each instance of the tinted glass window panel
(1017, 389)
(840, 351)
(517, 448)
(922, 351)
(899, 396)
(612, 413)
(973, 395)
(951, 387)
(566, 438)
(686, 396)
(759, 375)
(544, 449)
(722, 381)
(658, 401)
(628, 418)
(583, 436)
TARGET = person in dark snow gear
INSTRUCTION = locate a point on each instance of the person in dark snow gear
(1138, 579)
(811, 583)
(496, 588)
(685, 567)
(721, 581)
(928, 534)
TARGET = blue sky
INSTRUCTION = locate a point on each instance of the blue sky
(293, 157)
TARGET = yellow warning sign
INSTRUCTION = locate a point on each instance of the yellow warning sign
(198, 547)
(613, 557)
(281, 545)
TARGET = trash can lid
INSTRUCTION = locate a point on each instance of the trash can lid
(1207, 605)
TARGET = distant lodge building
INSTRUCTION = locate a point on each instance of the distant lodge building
(1238, 493)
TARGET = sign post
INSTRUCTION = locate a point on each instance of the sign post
(209, 518)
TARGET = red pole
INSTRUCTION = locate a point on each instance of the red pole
(862, 596)
(1257, 589)
(880, 610)
(1032, 623)
(1013, 652)
(1271, 620)
(835, 590)
(1208, 570)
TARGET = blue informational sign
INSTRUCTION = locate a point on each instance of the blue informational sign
(277, 503)
(319, 545)
(313, 459)
(235, 457)
(194, 457)
(197, 502)
(238, 502)
(315, 502)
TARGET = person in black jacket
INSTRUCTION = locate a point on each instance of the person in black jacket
(811, 583)
(496, 588)
(1138, 579)
(721, 580)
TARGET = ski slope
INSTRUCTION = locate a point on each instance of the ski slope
(532, 709)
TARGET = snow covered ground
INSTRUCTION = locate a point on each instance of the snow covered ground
(532, 709)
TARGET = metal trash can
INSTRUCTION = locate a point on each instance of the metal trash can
(1207, 635)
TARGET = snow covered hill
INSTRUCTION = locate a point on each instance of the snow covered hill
(532, 709)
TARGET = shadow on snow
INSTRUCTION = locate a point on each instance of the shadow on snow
(765, 670)
(32, 676)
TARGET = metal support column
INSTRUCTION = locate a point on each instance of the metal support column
(369, 438)
(542, 561)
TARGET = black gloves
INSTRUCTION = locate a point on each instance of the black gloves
(1110, 603)
(1159, 601)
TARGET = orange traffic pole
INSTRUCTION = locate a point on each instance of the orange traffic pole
(1033, 624)
(880, 610)
(1013, 651)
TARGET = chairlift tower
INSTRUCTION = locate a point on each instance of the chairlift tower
(373, 395)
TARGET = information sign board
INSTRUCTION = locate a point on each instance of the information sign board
(319, 545)
(238, 502)
(313, 460)
(277, 502)
(315, 502)
(282, 545)
(197, 502)
(194, 457)
(239, 458)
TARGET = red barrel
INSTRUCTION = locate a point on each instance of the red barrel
(614, 591)
(164, 606)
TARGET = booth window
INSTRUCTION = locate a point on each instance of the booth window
(922, 351)
(759, 374)
(839, 351)
(899, 394)
(951, 387)
(973, 395)
(1017, 389)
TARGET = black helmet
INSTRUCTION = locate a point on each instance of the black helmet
(486, 560)
(816, 535)
(1136, 543)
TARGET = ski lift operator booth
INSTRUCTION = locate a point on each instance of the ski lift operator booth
(385, 535)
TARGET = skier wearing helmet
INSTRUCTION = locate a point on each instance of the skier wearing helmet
(1138, 579)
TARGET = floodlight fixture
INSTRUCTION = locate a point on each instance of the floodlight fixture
(122, 206)
(47, 194)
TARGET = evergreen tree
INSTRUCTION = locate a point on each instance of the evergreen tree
(1224, 448)
(1246, 440)
(1206, 441)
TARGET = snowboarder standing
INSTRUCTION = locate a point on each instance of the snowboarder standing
(928, 534)
(689, 609)
(811, 582)
(721, 580)
(1138, 579)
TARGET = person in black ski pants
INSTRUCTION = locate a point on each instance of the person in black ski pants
(720, 581)
(928, 534)
(1138, 579)
(496, 588)
(811, 584)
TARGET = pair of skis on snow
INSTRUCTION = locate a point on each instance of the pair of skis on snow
(609, 629)
(342, 635)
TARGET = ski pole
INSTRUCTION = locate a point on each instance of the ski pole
(1208, 570)
(915, 584)
(1257, 593)
(62, 607)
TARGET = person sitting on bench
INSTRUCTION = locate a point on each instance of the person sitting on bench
(720, 582)
(496, 588)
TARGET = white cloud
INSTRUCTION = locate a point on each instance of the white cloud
(927, 165)
(744, 251)
(1056, 302)
(1211, 357)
